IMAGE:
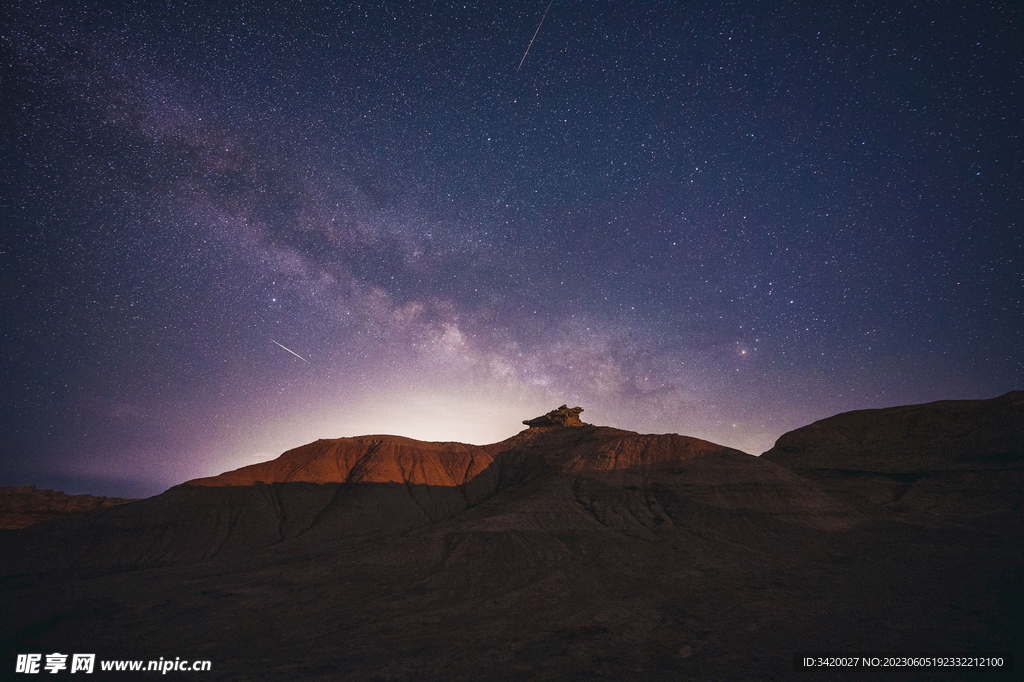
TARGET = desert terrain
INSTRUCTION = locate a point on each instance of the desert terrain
(567, 552)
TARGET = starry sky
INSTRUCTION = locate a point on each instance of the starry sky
(229, 229)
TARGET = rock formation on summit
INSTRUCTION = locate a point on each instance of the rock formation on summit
(563, 416)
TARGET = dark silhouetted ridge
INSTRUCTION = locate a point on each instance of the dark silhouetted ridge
(955, 458)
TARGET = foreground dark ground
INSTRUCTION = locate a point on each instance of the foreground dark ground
(554, 564)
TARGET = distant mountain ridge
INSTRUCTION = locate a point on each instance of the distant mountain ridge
(24, 506)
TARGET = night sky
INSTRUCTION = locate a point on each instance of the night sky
(229, 229)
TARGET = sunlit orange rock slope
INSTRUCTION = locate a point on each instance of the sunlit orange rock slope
(558, 440)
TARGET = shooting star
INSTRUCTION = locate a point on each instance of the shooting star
(534, 37)
(291, 351)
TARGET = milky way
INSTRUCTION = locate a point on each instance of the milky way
(720, 220)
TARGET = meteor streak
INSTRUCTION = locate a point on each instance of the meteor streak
(291, 351)
(534, 37)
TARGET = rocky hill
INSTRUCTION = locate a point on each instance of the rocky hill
(558, 441)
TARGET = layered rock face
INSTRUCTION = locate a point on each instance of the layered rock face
(569, 551)
(366, 459)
